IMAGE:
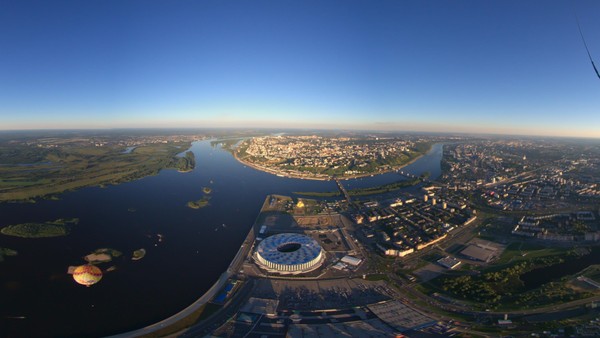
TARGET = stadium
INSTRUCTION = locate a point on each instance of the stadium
(289, 253)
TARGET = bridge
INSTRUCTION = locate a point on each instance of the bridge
(343, 190)
(406, 174)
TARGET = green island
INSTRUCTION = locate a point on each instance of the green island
(59, 227)
(380, 189)
(138, 254)
(384, 188)
(6, 252)
(206, 190)
(201, 203)
(102, 255)
(29, 172)
(226, 144)
(186, 163)
(318, 193)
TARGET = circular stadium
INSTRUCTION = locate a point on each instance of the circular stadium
(289, 253)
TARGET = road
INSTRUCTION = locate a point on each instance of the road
(343, 190)
(223, 314)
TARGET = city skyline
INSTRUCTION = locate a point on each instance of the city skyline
(495, 67)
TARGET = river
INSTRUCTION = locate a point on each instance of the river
(38, 297)
(430, 162)
(572, 265)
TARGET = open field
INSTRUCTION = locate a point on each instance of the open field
(500, 287)
(27, 172)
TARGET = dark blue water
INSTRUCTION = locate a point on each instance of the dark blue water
(196, 248)
(538, 277)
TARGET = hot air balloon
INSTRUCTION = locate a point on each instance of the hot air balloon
(87, 274)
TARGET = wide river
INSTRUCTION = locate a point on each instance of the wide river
(39, 299)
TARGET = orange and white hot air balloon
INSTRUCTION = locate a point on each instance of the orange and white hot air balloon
(87, 274)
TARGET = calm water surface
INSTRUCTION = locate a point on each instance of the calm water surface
(430, 162)
(538, 277)
(195, 250)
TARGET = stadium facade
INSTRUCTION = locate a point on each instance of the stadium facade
(289, 253)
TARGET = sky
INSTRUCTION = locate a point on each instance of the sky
(514, 67)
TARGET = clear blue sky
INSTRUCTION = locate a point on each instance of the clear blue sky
(482, 66)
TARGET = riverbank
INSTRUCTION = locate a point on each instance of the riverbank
(323, 177)
(184, 319)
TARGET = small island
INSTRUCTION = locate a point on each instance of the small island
(377, 190)
(201, 203)
(138, 254)
(6, 252)
(207, 190)
(102, 255)
(59, 227)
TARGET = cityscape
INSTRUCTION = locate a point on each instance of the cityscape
(471, 236)
(299, 169)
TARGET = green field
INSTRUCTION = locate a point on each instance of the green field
(28, 172)
(500, 287)
(384, 188)
(318, 194)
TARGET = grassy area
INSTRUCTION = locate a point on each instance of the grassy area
(385, 188)
(380, 189)
(60, 227)
(318, 194)
(6, 252)
(500, 286)
(592, 272)
(186, 163)
(521, 251)
(377, 276)
(29, 172)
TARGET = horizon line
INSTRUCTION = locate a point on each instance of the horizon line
(322, 129)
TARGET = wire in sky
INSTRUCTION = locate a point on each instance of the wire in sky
(585, 44)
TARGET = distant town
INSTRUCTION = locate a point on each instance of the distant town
(317, 157)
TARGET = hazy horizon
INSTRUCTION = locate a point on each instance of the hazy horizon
(499, 67)
(315, 129)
